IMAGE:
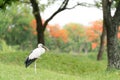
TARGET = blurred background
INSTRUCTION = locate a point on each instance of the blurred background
(76, 30)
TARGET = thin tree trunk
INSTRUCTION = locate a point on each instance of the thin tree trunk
(40, 28)
(102, 42)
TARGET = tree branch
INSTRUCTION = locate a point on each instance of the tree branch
(61, 8)
(82, 4)
(73, 6)
(64, 4)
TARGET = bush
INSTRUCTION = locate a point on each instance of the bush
(6, 48)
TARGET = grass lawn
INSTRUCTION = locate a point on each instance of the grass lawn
(55, 67)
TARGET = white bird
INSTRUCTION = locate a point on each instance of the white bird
(35, 54)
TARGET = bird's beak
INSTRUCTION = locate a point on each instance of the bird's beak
(45, 48)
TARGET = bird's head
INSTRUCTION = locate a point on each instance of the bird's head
(41, 45)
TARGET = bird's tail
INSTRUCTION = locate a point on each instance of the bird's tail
(29, 61)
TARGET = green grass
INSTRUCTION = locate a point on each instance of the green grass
(15, 72)
(55, 67)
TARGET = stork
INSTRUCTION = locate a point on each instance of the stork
(35, 54)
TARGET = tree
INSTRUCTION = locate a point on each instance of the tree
(93, 33)
(77, 37)
(102, 36)
(111, 24)
(102, 42)
(37, 14)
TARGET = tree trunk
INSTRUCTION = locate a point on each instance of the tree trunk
(111, 24)
(102, 42)
(40, 28)
(40, 37)
(112, 45)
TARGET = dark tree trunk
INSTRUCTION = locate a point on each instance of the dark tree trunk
(112, 45)
(102, 42)
(111, 24)
(40, 28)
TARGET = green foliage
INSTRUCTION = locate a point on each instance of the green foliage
(15, 27)
(117, 2)
(6, 48)
(77, 39)
(98, 3)
(5, 3)
(5, 21)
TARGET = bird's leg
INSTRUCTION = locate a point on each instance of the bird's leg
(35, 67)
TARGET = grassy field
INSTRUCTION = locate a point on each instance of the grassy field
(54, 66)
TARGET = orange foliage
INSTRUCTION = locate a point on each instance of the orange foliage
(64, 35)
(94, 45)
(74, 27)
(93, 33)
(33, 25)
(118, 35)
(56, 32)
(97, 25)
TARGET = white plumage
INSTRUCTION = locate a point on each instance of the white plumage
(35, 54)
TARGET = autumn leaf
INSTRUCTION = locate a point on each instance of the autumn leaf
(94, 32)
(94, 45)
(57, 32)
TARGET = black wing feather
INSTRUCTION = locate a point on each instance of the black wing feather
(29, 61)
